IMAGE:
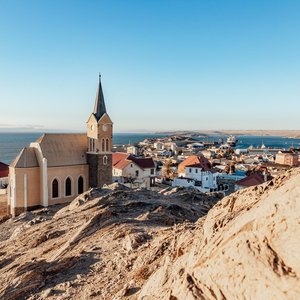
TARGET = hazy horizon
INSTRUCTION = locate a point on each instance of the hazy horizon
(26, 130)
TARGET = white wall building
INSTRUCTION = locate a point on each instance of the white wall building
(195, 176)
(133, 171)
(159, 145)
(132, 150)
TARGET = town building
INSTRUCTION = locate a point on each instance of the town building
(193, 160)
(133, 171)
(58, 167)
(132, 150)
(253, 179)
(159, 145)
(196, 171)
(288, 158)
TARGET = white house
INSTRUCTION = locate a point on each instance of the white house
(196, 171)
(159, 145)
(195, 176)
(132, 150)
(133, 171)
(171, 146)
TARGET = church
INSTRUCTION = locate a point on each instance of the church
(56, 168)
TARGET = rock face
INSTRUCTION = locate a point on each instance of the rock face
(103, 245)
(246, 248)
(117, 243)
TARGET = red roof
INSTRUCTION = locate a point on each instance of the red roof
(144, 163)
(196, 162)
(3, 170)
(117, 157)
(122, 160)
(253, 179)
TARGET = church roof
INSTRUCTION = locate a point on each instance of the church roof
(63, 149)
(99, 108)
(25, 159)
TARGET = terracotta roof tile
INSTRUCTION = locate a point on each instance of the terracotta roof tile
(122, 160)
(253, 179)
(193, 160)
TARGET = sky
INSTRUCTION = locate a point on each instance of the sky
(165, 65)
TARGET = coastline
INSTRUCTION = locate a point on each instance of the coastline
(292, 134)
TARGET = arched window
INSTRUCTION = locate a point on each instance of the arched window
(103, 145)
(107, 145)
(80, 185)
(55, 188)
(104, 160)
(68, 187)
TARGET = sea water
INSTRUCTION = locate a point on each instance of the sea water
(12, 143)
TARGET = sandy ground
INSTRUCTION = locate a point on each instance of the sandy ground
(3, 206)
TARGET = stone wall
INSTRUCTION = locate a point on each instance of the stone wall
(99, 173)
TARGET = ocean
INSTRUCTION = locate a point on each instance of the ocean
(12, 143)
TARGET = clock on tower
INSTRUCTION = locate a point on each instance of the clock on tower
(99, 133)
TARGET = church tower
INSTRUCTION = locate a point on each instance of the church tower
(99, 132)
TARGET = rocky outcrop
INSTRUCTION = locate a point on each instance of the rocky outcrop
(118, 243)
(246, 248)
(105, 244)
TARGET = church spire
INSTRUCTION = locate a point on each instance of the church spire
(99, 108)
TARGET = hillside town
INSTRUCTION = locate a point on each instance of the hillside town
(208, 166)
(183, 161)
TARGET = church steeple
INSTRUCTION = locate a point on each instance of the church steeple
(99, 143)
(99, 108)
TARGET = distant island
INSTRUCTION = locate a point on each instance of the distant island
(282, 133)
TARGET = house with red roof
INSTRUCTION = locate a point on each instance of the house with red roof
(252, 180)
(196, 171)
(201, 161)
(133, 170)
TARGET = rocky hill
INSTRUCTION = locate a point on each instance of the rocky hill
(246, 248)
(117, 243)
(106, 243)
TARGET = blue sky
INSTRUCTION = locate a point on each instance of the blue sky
(165, 65)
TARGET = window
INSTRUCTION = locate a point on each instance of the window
(152, 171)
(68, 187)
(136, 173)
(103, 145)
(107, 145)
(190, 170)
(80, 185)
(105, 160)
(196, 170)
(55, 188)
